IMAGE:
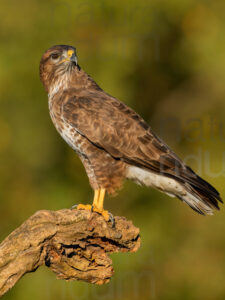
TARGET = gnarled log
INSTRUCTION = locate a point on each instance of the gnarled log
(72, 243)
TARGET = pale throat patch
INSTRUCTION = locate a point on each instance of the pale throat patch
(61, 83)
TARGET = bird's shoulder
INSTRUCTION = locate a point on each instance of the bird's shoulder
(113, 125)
(101, 106)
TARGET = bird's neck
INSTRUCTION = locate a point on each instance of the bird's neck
(78, 79)
(59, 85)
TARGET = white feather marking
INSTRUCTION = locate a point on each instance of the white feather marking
(163, 183)
(68, 132)
(168, 186)
(61, 83)
(72, 137)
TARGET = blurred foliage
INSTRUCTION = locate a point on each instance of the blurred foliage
(166, 59)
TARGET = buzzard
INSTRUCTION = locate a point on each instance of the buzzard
(113, 142)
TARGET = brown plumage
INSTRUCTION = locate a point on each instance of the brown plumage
(111, 139)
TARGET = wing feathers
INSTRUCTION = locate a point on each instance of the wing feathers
(114, 127)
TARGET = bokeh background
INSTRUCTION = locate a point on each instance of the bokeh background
(166, 59)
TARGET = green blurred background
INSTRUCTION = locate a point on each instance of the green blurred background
(166, 59)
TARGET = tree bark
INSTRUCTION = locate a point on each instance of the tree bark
(72, 243)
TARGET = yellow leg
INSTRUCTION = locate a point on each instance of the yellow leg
(88, 206)
(96, 197)
(101, 199)
(98, 203)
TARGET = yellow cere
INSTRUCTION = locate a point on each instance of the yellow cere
(70, 52)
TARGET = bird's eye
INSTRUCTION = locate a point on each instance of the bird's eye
(54, 55)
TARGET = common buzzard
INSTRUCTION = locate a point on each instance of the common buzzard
(113, 141)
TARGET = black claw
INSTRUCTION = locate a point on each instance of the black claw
(74, 206)
(92, 208)
(112, 219)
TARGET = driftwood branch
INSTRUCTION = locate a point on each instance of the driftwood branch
(72, 243)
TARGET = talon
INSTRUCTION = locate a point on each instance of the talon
(105, 213)
(102, 212)
(74, 206)
(97, 206)
(112, 219)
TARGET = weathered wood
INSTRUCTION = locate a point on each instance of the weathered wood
(72, 243)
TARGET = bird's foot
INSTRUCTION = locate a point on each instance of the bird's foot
(105, 213)
(102, 212)
(83, 206)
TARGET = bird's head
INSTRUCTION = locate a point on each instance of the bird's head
(55, 62)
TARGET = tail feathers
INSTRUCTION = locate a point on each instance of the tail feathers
(201, 196)
(185, 185)
(198, 204)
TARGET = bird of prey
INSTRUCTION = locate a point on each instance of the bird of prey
(113, 142)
